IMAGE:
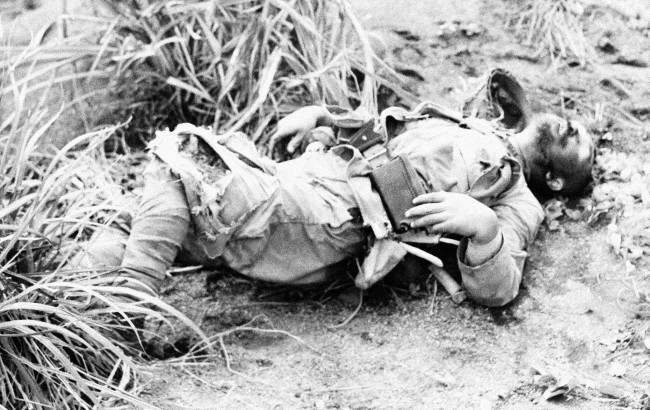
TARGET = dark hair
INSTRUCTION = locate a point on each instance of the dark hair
(576, 174)
(561, 162)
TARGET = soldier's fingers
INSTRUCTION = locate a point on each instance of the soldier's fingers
(424, 209)
(441, 227)
(430, 197)
(325, 135)
(430, 220)
(275, 138)
(316, 146)
(296, 141)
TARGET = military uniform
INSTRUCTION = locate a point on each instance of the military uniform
(295, 221)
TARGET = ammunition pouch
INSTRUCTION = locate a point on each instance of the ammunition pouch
(397, 184)
(394, 179)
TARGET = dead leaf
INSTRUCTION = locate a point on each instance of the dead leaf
(554, 209)
(626, 174)
(605, 191)
(616, 165)
(610, 342)
(600, 213)
(554, 392)
(444, 380)
(471, 29)
(585, 204)
(612, 389)
(559, 390)
(624, 200)
(536, 369)
(634, 252)
(573, 214)
(639, 188)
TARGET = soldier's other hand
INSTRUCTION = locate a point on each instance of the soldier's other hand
(319, 139)
(449, 212)
(297, 125)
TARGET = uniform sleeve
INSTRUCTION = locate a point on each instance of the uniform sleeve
(495, 281)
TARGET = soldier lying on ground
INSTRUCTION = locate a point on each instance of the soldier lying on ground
(213, 200)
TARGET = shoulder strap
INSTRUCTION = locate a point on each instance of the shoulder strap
(392, 119)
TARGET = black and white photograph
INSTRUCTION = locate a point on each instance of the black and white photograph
(324, 204)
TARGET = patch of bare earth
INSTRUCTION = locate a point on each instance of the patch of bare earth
(577, 336)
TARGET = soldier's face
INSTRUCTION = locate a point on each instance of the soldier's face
(559, 138)
(571, 143)
(566, 147)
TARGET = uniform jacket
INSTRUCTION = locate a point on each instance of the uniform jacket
(296, 221)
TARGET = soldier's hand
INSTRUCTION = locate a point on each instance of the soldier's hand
(297, 125)
(449, 212)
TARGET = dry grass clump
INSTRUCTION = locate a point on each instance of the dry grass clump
(235, 65)
(232, 65)
(64, 335)
(554, 27)
(51, 352)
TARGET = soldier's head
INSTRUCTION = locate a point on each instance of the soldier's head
(559, 153)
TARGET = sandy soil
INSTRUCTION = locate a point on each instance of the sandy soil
(575, 326)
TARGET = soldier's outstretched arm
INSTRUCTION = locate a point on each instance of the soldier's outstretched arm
(298, 124)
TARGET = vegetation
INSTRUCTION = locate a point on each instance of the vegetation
(68, 337)
(238, 65)
(554, 27)
(54, 350)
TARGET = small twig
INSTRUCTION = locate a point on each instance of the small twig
(29, 258)
(224, 353)
(186, 269)
(285, 333)
(196, 377)
(433, 304)
(272, 303)
(333, 389)
(219, 336)
(622, 353)
(352, 315)
(226, 357)
(398, 299)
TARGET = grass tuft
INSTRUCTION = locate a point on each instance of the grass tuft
(237, 65)
(554, 27)
(66, 338)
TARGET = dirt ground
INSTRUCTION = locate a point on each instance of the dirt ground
(577, 334)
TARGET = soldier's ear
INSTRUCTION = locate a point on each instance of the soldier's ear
(554, 182)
